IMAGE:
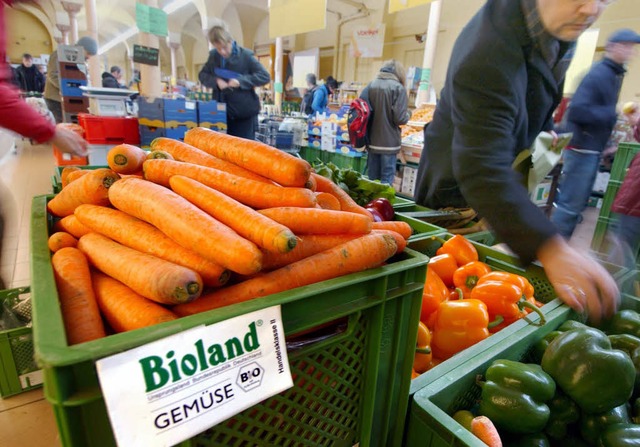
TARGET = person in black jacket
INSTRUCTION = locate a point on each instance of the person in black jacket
(112, 79)
(503, 82)
(591, 118)
(233, 72)
(28, 75)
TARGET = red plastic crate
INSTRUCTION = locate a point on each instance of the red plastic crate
(109, 129)
(63, 159)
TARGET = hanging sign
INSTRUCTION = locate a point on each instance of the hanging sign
(151, 20)
(367, 41)
(145, 55)
(168, 391)
(310, 15)
(400, 5)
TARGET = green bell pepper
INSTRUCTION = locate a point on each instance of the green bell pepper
(592, 425)
(531, 440)
(585, 367)
(620, 435)
(540, 346)
(631, 345)
(514, 396)
(625, 321)
(564, 412)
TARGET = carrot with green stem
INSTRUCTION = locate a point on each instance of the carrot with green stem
(186, 224)
(185, 152)
(346, 202)
(247, 222)
(70, 224)
(319, 221)
(249, 192)
(124, 309)
(272, 163)
(142, 236)
(78, 304)
(482, 427)
(163, 155)
(353, 256)
(126, 158)
(90, 188)
(154, 278)
(308, 245)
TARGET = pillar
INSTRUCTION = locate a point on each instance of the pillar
(95, 72)
(64, 31)
(278, 86)
(150, 84)
(72, 9)
(425, 88)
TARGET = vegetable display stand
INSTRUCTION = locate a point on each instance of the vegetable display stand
(497, 260)
(400, 202)
(350, 386)
(430, 424)
(18, 370)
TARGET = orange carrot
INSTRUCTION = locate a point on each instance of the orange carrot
(308, 245)
(61, 239)
(346, 202)
(65, 172)
(311, 183)
(124, 309)
(186, 224)
(126, 158)
(164, 155)
(144, 237)
(319, 221)
(78, 305)
(250, 224)
(353, 256)
(247, 191)
(327, 201)
(71, 225)
(277, 165)
(185, 152)
(482, 427)
(154, 278)
(401, 242)
(90, 188)
(75, 175)
(398, 226)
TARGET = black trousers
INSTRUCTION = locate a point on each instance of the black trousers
(244, 128)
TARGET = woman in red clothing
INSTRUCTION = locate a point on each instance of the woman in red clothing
(18, 116)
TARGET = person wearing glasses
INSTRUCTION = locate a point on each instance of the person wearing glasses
(233, 72)
(504, 80)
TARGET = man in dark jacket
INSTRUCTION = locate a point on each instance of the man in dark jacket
(28, 75)
(388, 98)
(591, 117)
(112, 79)
(233, 73)
(503, 82)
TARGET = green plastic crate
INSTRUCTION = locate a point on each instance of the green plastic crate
(419, 227)
(609, 196)
(18, 370)
(313, 155)
(356, 383)
(497, 260)
(400, 202)
(630, 284)
(430, 423)
(344, 161)
(622, 160)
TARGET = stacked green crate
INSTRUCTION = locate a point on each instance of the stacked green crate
(350, 387)
(621, 162)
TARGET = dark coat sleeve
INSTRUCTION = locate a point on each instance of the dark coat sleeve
(587, 105)
(206, 75)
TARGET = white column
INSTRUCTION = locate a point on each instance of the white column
(278, 87)
(150, 84)
(64, 31)
(425, 86)
(95, 73)
(72, 9)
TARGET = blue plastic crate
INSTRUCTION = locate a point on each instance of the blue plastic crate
(151, 111)
(180, 111)
(71, 87)
(148, 134)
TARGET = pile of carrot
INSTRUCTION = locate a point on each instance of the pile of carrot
(194, 226)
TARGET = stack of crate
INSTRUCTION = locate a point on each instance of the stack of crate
(212, 115)
(73, 75)
(162, 117)
(104, 132)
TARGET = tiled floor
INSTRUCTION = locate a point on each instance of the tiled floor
(27, 420)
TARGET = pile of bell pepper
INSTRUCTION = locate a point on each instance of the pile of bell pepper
(585, 391)
(464, 301)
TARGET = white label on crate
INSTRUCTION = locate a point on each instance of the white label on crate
(170, 390)
(190, 105)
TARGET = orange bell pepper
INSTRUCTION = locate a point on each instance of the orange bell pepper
(433, 294)
(422, 357)
(466, 277)
(444, 265)
(458, 325)
(460, 248)
(520, 281)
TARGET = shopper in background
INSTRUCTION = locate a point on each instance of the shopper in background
(591, 118)
(306, 106)
(29, 77)
(233, 72)
(388, 98)
(322, 93)
(113, 78)
(52, 94)
(504, 80)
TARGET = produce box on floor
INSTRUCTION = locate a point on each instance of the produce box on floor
(18, 369)
(430, 423)
(350, 387)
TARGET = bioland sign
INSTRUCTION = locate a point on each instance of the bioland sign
(170, 390)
